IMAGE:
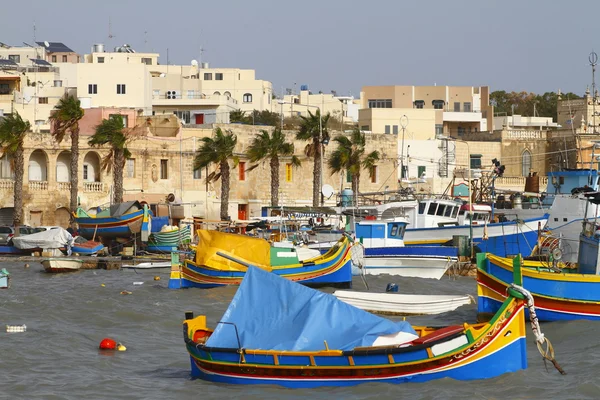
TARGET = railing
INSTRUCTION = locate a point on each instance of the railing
(7, 184)
(518, 181)
(66, 186)
(38, 185)
(94, 187)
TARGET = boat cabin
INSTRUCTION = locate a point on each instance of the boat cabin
(434, 213)
(381, 233)
(478, 213)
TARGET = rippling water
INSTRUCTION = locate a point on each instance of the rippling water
(67, 315)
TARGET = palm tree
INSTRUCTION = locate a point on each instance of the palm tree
(13, 130)
(65, 119)
(350, 156)
(310, 130)
(272, 146)
(218, 150)
(111, 132)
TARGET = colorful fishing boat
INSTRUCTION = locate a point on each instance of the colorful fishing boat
(165, 241)
(222, 259)
(86, 247)
(117, 221)
(278, 332)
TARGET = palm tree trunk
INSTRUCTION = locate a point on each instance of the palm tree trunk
(355, 184)
(119, 161)
(274, 181)
(18, 190)
(317, 172)
(224, 190)
(74, 167)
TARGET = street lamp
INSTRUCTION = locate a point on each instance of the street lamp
(404, 124)
(322, 141)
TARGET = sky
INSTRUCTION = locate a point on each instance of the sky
(342, 45)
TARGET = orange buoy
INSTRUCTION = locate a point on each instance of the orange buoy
(108, 344)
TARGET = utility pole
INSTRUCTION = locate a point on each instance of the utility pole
(593, 58)
(404, 124)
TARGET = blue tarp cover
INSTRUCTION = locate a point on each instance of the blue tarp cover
(273, 313)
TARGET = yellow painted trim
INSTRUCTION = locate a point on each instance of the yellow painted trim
(532, 273)
(351, 361)
(312, 361)
(275, 359)
(391, 359)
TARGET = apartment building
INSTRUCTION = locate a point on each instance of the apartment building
(57, 52)
(293, 105)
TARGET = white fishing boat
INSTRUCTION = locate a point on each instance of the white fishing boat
(61, 264)
(403, 304)
(148, 265)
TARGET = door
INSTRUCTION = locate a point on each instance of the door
(199, 119)
(242, 211)
(35, 218)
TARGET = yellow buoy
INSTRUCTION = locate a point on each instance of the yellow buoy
(157, 278)
(102, 284)
(120, 347)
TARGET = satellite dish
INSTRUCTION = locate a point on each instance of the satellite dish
(327, 190)
(170, 197)
(46, 44)
(195, 63)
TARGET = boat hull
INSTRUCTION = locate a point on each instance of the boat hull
(557, 296)
(498, 348)
(402, 304)
(431, 268)
(4, 282)
(110, 227)
(61, 265)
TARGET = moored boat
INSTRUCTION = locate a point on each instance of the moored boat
(61, 264)
(274, 332)
(402, 304)
(165, 241)
(117, 221)
(86, 247)
(222, 259)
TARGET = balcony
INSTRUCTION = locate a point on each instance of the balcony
(93, 187)
(462, 116)
(64, 186)
(173, 98)
(37, 186)
(7, 184)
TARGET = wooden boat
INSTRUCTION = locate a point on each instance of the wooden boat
(164, 242)
(287, 342)
(148, 265)
(402, 304)
(86, 247)
(61, 264)
(222, 259)
(4, 279)
(117, 221)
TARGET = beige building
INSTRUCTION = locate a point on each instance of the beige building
(57, 52)
(293, 105)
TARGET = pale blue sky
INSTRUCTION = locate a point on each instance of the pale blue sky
(532, 45)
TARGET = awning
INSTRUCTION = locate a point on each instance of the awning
(10, 78)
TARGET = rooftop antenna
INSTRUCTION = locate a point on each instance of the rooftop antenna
(593, 58)
(110, 35)
(34, 29)
(146, 40)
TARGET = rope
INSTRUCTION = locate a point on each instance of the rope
(543, 343)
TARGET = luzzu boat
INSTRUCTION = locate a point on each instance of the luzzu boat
(117, 221)
(163, 242)
(274, 333)
(222, 259)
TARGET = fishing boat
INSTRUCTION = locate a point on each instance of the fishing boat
(61, 264)
(117, 221)
(278, 332)
(222, 259)
(167, 239)
(4, 279)
(57, 238)
(86, 247)
(148, 265)
(403, 304)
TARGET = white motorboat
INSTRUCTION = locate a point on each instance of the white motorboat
(61, 264)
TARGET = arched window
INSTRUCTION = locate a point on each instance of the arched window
(216, 93)
(247, 98)
(227, 94)
(526, 163)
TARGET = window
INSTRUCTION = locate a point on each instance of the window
(461, 130)
(484, 114)
(42, 100)
(242, 171)
(146, 60)
(227, 94)
(218, 76)
(216, 94)
(438, 104)
(15, 57)
(439, 129)
(475, 161)
(100, 60)
(130, 168)
(93, 89)
(156, 93)
(373, 174)
(184, 116)
(387, 130)
(247, 98)
(440, 210)
(364, 127)
(208, 76)
(420, 171)
(467, 107)
(120, 88)
(348, 177)
(394, 230)
(191, 94)
(4, 88)
(198, 173)
(422, 208)
(456, 106)
(288, 172)
(53, 58)
(85, 172)
(526, 163)
(380, 103)
(448, 211)
(395, 129)
(164, 169)
(64, 58)
(419, 104)
(455, 212)
(432, 208)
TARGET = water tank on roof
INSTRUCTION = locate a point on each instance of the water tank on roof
(98, 48)
(204, 65)
(303, 87)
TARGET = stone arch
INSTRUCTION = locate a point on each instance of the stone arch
(62, 217)
(228, 94)
(38, 166)
(63, 167)
(91, 167)
(217, 93)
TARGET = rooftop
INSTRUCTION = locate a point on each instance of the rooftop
(55, 47)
